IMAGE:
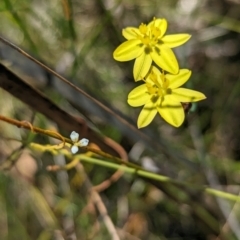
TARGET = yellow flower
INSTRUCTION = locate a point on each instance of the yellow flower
(148, 43)
(161, 93)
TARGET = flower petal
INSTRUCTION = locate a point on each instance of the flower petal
(156, 71)
(171, 111)
(74, 149)
(150, 79)
(187, 95)
(179, 79)
(147, 114)
(128, 50)
(165, 59)
(74, 136)
(130, 33)
(138, 96)
(83, 142)
(141, 66)
(175, 40)
(161, 23)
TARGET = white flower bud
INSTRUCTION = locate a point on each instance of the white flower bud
(74, 149)
(74, 136)
(83, 142)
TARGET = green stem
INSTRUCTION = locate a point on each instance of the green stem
(160, 178)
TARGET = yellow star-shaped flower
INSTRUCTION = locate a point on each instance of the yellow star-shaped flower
(161, 94)
(148, 43)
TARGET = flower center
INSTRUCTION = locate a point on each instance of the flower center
(149, 34)
(157, 89)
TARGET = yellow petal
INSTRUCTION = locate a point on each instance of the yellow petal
(147, 114)
(130, 33)
(128, 50)
(172, 112)
(141, 66)
(138, 96)
(165, 59)
(156, 72)
(175, 40)
(161, 23)
(187, 95)
(179, 79)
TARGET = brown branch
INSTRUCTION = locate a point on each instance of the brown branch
(39, 102)
(53, 134)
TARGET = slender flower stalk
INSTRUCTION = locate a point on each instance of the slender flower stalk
(161, 94)
(149, 43)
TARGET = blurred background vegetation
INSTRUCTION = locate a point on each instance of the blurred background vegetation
(77, 38)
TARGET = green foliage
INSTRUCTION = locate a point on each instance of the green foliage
(178, 184)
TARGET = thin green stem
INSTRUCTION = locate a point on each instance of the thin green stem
(161, 178)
